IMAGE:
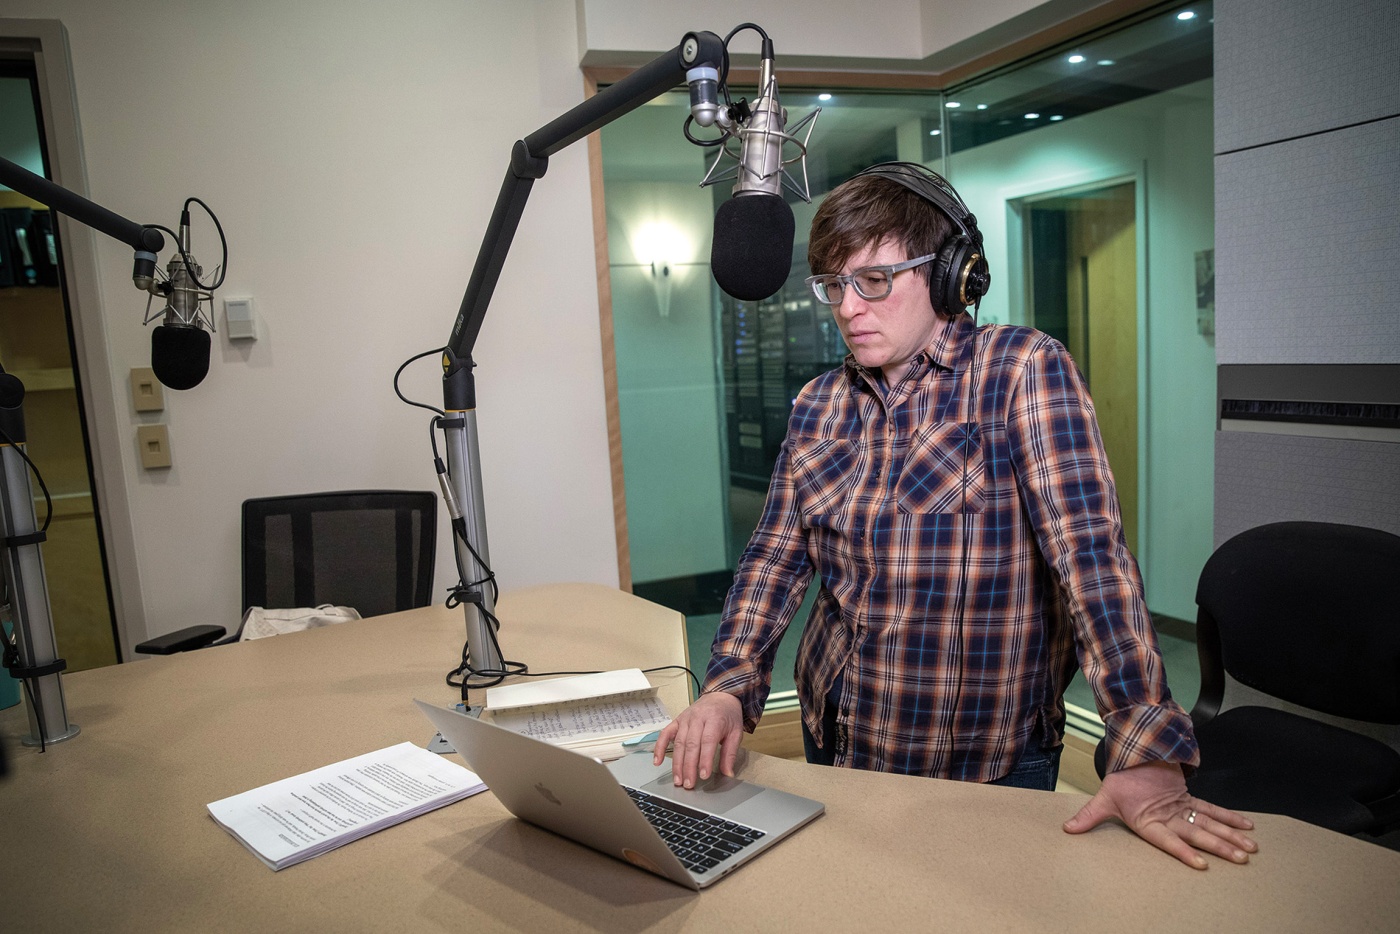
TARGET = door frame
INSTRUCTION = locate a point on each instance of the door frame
(45, 42)
(1019, 287)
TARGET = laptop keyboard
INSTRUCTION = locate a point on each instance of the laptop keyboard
(700, 841)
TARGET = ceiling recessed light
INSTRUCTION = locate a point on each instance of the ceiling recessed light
(1106, 61)
(1032, 116)
(1076, 59)
(1184, 15)
(1056, 118)
(952, 105)
(981, 106)
(934, 132)
(823, 97)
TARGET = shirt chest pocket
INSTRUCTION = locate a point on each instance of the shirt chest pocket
(944, 471)
(823, 474)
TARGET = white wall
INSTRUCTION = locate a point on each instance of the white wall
(882, 29)
(1162, 142)
(877, 34)
(352, 151)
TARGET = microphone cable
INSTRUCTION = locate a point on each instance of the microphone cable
(180, 246)
(462, 591)
(724, 90)
(966, 550)
(9, 643)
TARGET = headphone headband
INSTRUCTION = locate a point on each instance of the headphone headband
(960, 276)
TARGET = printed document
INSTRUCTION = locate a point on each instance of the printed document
(591, 714)
(297, 818)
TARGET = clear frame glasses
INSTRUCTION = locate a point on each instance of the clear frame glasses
(871, 283)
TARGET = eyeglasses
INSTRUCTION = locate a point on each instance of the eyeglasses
(871, 283)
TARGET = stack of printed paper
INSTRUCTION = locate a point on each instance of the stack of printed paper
(591, 714)
(297, 818)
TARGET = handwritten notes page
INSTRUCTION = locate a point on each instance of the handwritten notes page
(297, 818)
(591, 714)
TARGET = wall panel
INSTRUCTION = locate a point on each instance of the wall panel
(1286, 68)
(1262, 478)
(1306, 249)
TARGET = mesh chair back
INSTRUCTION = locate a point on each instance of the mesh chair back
(368, 549)
(1309, 612)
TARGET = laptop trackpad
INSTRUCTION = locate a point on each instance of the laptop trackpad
(717, 794)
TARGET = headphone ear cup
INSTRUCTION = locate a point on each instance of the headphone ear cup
(944, 280)
(976, 283)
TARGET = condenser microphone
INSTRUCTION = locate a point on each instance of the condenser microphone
(751, 253)
(179, 344)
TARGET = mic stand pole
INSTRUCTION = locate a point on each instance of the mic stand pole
(528, 161)
(38, 664)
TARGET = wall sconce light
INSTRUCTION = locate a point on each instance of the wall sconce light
(661, 281)
(661, 248)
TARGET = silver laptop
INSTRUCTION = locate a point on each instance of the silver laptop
(628, 808)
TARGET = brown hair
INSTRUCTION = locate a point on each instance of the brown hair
(867, 210)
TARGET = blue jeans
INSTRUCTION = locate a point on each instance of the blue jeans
(1038, 769)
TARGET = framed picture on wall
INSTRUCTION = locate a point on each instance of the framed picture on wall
(1205, 292)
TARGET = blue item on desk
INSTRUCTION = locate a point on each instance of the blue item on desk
(633, 744)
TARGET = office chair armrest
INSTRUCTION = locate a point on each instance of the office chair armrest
(181, 640)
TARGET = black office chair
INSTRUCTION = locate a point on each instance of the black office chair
(372, 550)
(1307, 613)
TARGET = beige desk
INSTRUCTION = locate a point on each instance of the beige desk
(109, 830)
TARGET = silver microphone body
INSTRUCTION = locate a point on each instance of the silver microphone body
(761, 142)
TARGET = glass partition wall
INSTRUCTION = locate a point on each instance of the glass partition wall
(1090, 170)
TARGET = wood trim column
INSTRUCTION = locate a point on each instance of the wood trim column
(609, 347)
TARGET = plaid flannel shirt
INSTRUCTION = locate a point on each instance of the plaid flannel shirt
(876, 492)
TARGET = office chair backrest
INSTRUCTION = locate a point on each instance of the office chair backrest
(1309, 612)
(368, 549)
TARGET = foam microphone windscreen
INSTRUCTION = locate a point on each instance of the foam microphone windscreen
(11, 391)
(179, 355)
(752, 251)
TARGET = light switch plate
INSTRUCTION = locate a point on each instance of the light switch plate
(154, 441)
(239, 322)
(147, 394)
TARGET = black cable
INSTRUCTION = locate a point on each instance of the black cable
(180, 246)
(404, 399)
(10, 655)
(717, 141)
(464, 592)
(545, 674)
(723, 87)
(223, 241)
(966, 539)
(48, 500)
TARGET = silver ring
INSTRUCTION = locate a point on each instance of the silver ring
(1191, 816)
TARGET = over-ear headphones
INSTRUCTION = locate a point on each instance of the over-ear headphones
(960, 276)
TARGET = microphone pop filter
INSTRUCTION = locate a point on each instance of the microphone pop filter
(179, 355)
(752, 251)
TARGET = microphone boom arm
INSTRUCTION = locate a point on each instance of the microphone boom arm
(36, 660)
(528, 161)
(60, 199)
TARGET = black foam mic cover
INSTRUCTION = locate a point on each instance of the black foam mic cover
(751, 255)
(11, 391)
(179, 355)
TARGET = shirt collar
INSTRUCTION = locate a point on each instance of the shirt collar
(945, 351)
(947, 347)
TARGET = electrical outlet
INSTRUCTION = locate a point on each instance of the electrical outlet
(154, 441)
(147, 394)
